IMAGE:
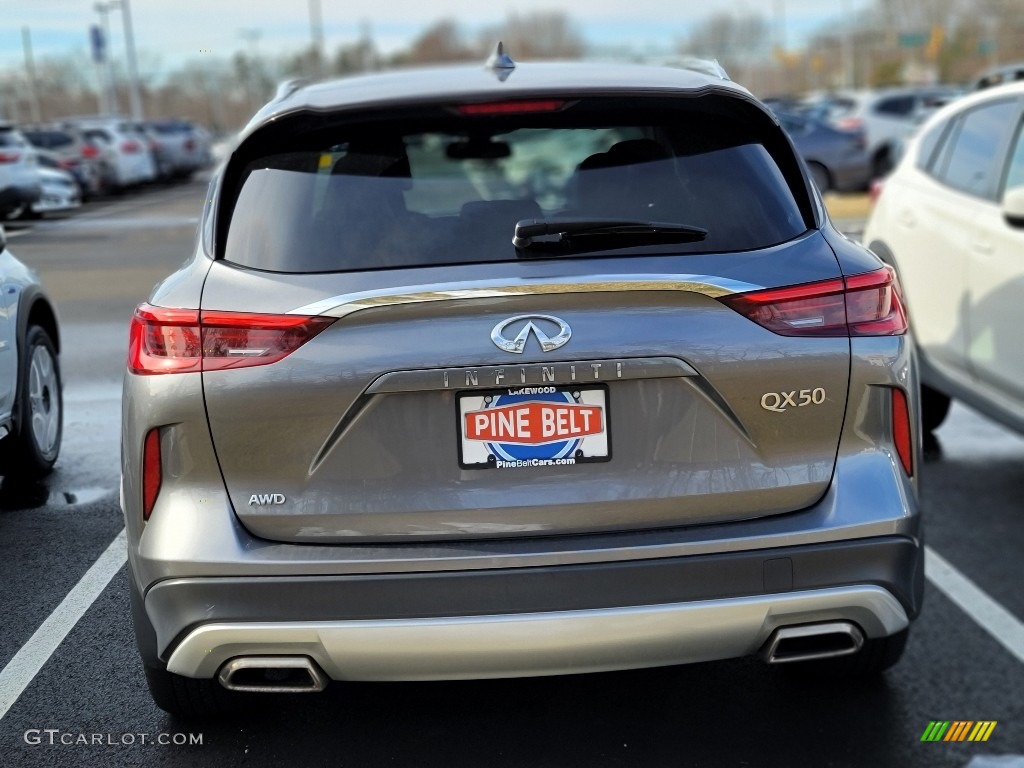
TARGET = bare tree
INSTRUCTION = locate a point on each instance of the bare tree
(737, 42)
(440, 42)
(541, 35)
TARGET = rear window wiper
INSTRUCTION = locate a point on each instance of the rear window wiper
(555, 237)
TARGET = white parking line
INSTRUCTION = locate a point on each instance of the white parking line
(986, 612)
(22, 669)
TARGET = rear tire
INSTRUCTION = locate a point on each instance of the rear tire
(881, 163)
(31, 450)
(820, 176)
(186, 697)
(934, 408)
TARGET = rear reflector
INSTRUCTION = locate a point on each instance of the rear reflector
(512, 107)
(151, 472)
(902, 432)
(186, 340)
(875, 190)
(868, 304)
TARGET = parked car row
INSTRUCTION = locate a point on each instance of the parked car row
(55, 166)
(837, 158)
(848, 138)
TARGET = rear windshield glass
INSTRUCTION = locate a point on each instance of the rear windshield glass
(376, 201)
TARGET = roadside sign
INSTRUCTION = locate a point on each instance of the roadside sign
(98, 44)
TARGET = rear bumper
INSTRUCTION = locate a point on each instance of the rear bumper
(532, 621)
(470, 647)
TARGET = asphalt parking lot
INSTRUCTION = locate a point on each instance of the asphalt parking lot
(72, 690)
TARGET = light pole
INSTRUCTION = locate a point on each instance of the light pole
(849, 67)
(316, 33)
(133, 67)
(134, 95)
(30, 70)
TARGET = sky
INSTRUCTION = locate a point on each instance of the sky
(170, 32)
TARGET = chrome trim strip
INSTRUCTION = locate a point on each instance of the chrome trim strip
(517, 645)
(348, 303)
(556, 373)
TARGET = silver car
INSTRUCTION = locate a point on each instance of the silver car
(516, 370)
(31, 404)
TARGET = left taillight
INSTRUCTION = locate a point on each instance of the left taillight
(868, 304)
(152, 472)
(165, 340)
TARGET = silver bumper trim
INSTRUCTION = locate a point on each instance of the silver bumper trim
(520, 645)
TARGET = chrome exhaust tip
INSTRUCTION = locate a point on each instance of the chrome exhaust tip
(273, 674)
(813, 641)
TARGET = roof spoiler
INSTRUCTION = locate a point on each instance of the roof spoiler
(287, 87)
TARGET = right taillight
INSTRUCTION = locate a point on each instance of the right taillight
(152, 472)
(165, 340)
(868, 304)
(902, 430)
(10, 157)
(90, 151)
(850, 124)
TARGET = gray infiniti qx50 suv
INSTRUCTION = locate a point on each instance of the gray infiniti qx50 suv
(516, 370)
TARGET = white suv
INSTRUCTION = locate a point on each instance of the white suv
(888, 116)
(951, 220)
(125, 152)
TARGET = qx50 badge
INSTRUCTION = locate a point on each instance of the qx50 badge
(777, 402)
(526, 325)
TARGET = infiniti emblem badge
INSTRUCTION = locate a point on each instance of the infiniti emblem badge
(517, 344)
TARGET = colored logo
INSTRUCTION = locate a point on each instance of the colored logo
(958, 730)
(537, 424)
(548, 325)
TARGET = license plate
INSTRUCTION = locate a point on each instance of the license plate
(533, 427)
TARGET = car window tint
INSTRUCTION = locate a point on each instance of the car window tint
(969, 161)
(12, 138)
(1015, 166)
(929, 144)
(899, 106)
(97, 135)
(792, 124)
(454, 196)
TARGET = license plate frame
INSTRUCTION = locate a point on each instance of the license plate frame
(539, 426)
